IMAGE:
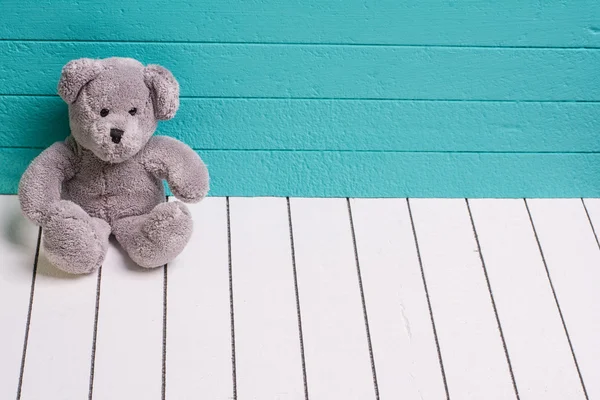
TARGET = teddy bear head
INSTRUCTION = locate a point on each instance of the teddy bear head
(115, 104)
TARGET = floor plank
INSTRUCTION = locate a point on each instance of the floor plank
(198, 318)
(592, 209)
(57, 365)
(539, 350)
(128, 360)
(267, 339)
(404, 346)
(18, 243)
(573, 260)
(336, 347)
(470, 343)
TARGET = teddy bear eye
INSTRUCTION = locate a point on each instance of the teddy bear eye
(103, 112)
(133, 111)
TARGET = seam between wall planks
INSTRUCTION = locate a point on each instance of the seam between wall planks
(347, 99)
(339, 174)
(352, 151)
(332, 44)
(334, 71)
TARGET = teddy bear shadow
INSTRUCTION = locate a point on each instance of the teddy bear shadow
(118, 257)
(45, 267)
(18, 231)
(22, 234)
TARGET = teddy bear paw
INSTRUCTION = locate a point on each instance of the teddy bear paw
(168, 221)
(74, 242)
(162, 235)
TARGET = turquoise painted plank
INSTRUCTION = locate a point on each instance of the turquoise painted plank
(481, 23)
(383, 174)
(14, 162)
(308, 71)
(338, 125)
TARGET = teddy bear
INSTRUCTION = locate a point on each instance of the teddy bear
(107, 176)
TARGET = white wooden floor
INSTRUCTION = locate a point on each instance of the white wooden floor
(317, 299)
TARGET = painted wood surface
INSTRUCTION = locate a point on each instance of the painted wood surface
(538, 348)
(572, 255)
(483, 23)
(336, 344)
(325, 125)
(592, 209)
(368, 271)
(267, 337)
(471, 345)
(18, 245)
(129, 353)
(198, 343)
(343, 86)
(308, 71)
(404, 344)
(379, 174)
(60, 338)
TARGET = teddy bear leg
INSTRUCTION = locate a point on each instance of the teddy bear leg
(156, 238)
(74, 241)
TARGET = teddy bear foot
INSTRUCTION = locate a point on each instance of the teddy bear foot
(156, 238)
(74, 242)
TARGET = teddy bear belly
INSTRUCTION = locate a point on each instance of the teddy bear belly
(114, 196)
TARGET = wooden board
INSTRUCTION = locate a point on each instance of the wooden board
(130, 330)
(359, 174)
(18, 246)
(539, 350)
(326, 72)
(326, 125)
(592, 209)
(572, 257)
(404, 346)
(199, 362)
(470, 342)
(267, 337)
(60, 342)
(338, 365)
(507, 23)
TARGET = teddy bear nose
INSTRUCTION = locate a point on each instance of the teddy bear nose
(116, 134)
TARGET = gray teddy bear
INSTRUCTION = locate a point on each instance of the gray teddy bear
(107, 176)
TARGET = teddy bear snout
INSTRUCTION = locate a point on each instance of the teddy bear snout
(116, 135)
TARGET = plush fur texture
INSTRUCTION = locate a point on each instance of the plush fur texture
(107, 176)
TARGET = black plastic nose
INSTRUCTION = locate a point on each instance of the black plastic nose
(116, 134)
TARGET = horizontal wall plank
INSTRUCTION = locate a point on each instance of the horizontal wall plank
(379, 174)
(507, 23)
(338, 125)
(308, 71)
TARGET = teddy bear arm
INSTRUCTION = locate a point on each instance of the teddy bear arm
(185, 172)
(41, 184)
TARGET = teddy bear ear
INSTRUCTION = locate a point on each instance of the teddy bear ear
(164, 91)
(75, 75)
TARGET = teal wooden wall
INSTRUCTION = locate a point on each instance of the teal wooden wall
(335, 97)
